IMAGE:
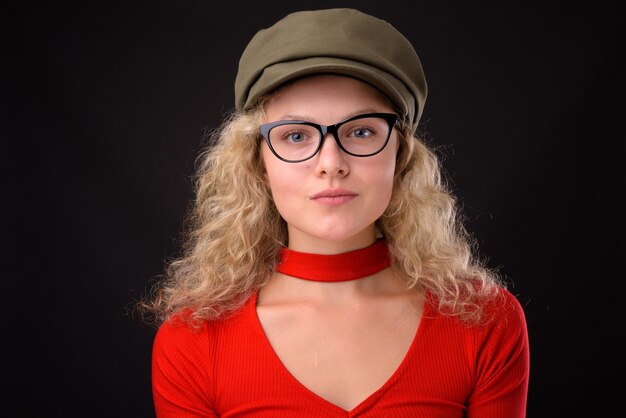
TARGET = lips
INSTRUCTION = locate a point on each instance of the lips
(333, 193)
(334, 197)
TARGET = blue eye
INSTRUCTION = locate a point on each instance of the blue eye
(362, 133)
(296, 137)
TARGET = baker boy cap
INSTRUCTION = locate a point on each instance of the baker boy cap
(333, 41)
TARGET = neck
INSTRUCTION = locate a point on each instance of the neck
(332, 279)
(309, 244)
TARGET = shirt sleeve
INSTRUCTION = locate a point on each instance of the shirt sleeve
(181, 373)
(502, 364)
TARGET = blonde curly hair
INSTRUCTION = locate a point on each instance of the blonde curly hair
(234, 233)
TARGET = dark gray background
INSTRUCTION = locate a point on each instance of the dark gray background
(105, 106)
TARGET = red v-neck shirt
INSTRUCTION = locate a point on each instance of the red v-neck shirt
(228, 369)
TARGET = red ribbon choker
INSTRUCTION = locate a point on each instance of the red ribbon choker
(335, 267)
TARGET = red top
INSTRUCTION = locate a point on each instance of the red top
(228, 369)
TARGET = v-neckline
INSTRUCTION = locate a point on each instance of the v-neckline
(369, 399)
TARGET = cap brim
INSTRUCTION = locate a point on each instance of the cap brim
(277, 75)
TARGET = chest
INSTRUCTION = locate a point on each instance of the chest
(342, 355)
(338, 366)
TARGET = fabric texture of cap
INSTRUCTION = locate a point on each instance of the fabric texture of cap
(333, 41)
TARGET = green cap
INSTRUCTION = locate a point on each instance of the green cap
(333, 41)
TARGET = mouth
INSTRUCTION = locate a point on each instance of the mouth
(334, 197)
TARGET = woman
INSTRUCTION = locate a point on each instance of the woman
(325, 272)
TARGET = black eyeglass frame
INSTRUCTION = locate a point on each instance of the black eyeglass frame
(390, 118)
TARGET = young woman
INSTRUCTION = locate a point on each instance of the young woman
(326, 273)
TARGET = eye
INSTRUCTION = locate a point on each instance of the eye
(293, 134)
(295, 137)
(362, 132)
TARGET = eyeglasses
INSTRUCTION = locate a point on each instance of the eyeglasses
(294, 141)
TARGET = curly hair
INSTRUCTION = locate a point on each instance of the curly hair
(234, 233)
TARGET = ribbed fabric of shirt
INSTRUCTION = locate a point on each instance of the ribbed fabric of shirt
(228, 369)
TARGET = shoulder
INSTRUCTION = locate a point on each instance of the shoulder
(505, 310)
(501, 314)
(178, 337)
(501, 327)
(185, 357)
(177, 340)
(504, 330)
(176, 329)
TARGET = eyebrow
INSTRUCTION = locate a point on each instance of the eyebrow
(347, 116)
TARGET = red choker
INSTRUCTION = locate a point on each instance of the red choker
(335, 267)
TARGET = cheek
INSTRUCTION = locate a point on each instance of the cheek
(386, 166)
(284, 191)
(280, 177)
(385, 186)
(384, 182)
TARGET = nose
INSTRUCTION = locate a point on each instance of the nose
(331, 160)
